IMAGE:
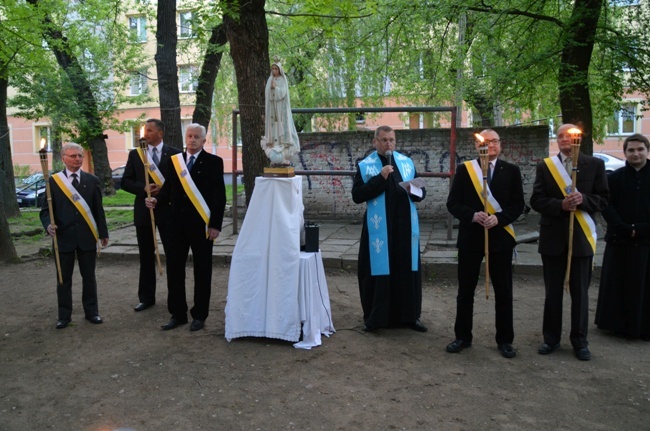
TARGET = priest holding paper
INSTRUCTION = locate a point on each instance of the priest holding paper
(390, 282)
(506, 203)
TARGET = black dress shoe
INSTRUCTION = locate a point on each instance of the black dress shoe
(95, 320)
(367, 328)
(143, 306)
(62, 323)
(197, 324)
(582, 353)
(545, 348)
(173, 323)
(418, 326)
(457, 345)
(507, 351)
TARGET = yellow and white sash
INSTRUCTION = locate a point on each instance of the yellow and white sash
(154, 172)
(190, 188)
(77, 200)
(476, 175)
(563, 181)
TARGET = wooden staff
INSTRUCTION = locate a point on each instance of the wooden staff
(46, 177)
(485, 163)
(576, 138)
(145, 160)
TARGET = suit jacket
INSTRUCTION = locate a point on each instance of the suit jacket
(72, 229)
(547, 200)
(463, 201)
(133, 181)
(207, 174)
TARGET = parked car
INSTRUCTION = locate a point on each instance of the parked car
(611, 163)
(31, 195)
(117, 177)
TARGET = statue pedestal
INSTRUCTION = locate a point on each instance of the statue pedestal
(283, 172)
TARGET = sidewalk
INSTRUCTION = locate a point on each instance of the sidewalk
(339, 244)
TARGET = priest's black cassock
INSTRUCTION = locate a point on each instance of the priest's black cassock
(624, 295)
(393, 299)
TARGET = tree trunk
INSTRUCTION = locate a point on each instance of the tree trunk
(209, 72)
(573, 79)
(248, 36)
(170, 103)
(9, 205)
(91, 131)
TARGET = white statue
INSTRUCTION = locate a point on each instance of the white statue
(280, 142)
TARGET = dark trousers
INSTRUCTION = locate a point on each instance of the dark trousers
(469, 266)
(554, 271)
(147, 282)
(179, 247)
(86, 260)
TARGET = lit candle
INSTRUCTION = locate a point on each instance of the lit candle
(142, 132)
(43, 142)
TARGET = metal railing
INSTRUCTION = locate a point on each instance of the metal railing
(452, 147)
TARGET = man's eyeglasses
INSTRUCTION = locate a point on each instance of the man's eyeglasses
(492, 141)
(75, 156)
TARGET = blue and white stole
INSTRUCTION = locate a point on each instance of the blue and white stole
(376, 215)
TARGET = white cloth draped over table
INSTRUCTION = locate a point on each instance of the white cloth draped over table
(263, 288)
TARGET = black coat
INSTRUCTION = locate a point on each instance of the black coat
(629, 205)
(547, 200)
(463, 202)
(72, 230)
(133, 181)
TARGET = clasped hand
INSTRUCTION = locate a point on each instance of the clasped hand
(485, 220)
(571, 201)
(150, 203)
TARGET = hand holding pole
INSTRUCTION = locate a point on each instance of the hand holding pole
(145, 158)
(46, 177)
(576, 139)
(485, 163)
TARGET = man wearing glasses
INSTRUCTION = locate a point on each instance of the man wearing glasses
(506, 203)
(79, 224)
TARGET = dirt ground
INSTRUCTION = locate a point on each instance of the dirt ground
(127, 374)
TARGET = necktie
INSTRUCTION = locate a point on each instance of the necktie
(154, 156)
(489, 176)
(190, 163)
(568, 165)
(75, 181)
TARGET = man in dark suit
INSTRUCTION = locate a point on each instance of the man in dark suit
(465, 202)
(553, 198)
(79, 223)
(196, 191)
(133, 181)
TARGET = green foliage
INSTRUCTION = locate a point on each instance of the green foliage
(22, 171)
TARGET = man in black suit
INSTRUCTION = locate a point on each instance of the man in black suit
(133, 181)
(465, 202)
(196, 191)
(553, 198)
(79, 224)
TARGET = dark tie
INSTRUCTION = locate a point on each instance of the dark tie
(154, 156)
(190, 163)
(489, 178)
(75, 181)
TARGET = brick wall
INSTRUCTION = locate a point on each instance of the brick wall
(330, 197)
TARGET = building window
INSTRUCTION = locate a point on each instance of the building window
(138, 84)
(623, 120)
(185, 26)
(135, 135)
(42, 135)
(187, 79)
(138, 29)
